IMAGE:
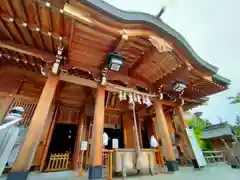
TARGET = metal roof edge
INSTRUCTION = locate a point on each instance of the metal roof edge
(217, 77)
(214, 126)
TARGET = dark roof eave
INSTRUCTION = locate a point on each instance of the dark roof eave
(139, 17)
(227, 136)
(218, 78)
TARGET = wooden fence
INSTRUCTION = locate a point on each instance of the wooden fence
(58, 162)
(213, 157)
(29, 110)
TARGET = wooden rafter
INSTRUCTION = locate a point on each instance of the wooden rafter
(19, 30)
(47, 57)
(179, 72)
(17, 59)
(146, 58)
(5, 30)
(13, 29)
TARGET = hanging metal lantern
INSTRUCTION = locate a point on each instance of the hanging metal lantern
(178, 86)
(115, 62)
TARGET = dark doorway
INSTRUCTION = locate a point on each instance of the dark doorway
(114, 134)
(145, 140)
(63, 139)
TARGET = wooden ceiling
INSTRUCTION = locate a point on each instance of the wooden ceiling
(32, 30)
(34, 23)
(21, 83)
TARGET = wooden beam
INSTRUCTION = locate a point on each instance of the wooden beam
(86, 82)
(109, 87)
(27, 50)
(31, 141)
(78, 80)
(113, 110)
(18, 96)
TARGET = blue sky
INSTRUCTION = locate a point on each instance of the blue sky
(212, 28)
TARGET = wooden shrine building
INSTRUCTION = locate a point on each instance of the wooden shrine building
(221, 136)
(77, 67)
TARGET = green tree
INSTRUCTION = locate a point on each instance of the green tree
(236, 127)
(198, 124)
(235, 99)
(237, 120)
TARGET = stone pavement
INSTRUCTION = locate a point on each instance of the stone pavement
(219, 172)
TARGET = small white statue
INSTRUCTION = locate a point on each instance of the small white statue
(105, 139)
(153, 142)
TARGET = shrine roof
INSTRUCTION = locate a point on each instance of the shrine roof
(217, 130)
(88, 30)
(159, 26)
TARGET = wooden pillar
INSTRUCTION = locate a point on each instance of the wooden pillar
(139, 132)
(77, 149)
(96, 168)
(180, 114)
(163, 133)
(41, 146)
(31, 141)
(184, 125)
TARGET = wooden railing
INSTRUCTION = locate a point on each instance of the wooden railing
(58, 162)
(213, 157)
(107, 162)
(29, 110)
